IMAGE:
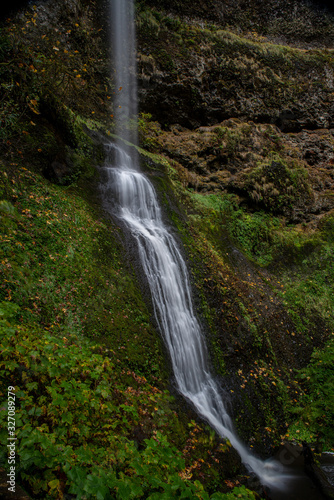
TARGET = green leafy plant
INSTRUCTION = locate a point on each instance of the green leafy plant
(76, 420)
(316, 408)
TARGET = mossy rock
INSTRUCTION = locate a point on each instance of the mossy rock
(278, 188)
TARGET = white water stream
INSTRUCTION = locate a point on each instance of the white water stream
(166, 273)
(134, 201)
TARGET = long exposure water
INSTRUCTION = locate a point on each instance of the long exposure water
(166, 273)
(130, 196)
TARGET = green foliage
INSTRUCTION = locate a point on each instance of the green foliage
(149, 132)
(93, 421)
(257, 20)
(327, 228)
(67, 273)
(8, 310)
(254, 233)
(6, 207)
(308, 288)
(39, 61)
(164, 59)
(298, 280)
(262, 236)
(148, 22)
(63, 266)
(9, 108)
(231, 139)
(316, 407)
(277, 187)
(259, 77)
(4, 45)
(76, 418)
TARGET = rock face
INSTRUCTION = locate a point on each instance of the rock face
(195, 76)
(248, 115)
(290, 175)
(288, 20)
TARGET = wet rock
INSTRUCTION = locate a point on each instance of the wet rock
(316, 473)
(60, 171)
(287, 121)
(283, 20)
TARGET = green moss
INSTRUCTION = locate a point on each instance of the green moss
(207, 223)
(63, 267)
(148, 22)
(66, 280)
(308, 288)
(316, 408)
(260, 78)
(327, 228)
(68, 284)
(277, 187)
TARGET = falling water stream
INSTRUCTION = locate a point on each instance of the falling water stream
(133, 200)
(166, 273)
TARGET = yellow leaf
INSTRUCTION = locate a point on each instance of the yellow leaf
(54, 484)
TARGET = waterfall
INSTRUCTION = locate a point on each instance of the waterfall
(131, 197)
(125, 72)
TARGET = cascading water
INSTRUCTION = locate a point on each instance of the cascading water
(166, 273)
(165, 270)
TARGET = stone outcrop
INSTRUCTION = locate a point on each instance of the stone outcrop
(291, 21)
(286, 174)
(242, 112)
(195, 75)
